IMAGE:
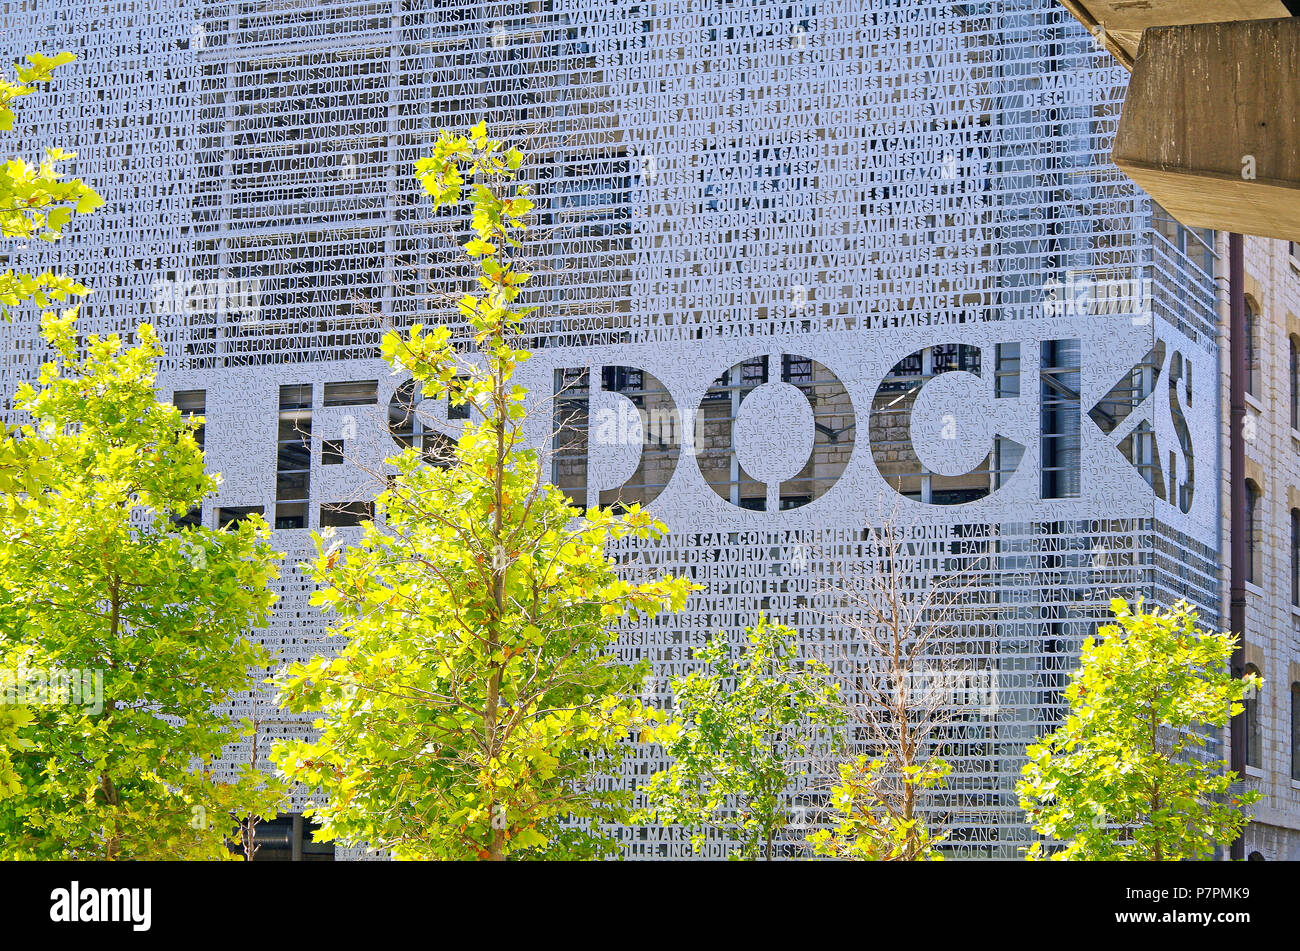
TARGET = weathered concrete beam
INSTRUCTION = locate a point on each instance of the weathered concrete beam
(1211, 124)
(1119, 23)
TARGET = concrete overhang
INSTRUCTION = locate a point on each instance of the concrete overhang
(1210, 127)
(1119, 24)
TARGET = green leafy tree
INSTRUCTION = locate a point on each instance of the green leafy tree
(1125, 777)
(37, 201)
(478, 702)
(13, 717)
(742, 725)
(97, 582)
(869, 824)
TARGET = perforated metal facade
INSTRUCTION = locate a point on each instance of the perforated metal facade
(801, 264)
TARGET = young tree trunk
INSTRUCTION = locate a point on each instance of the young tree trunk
(496, 850)
(113, 841)
(1157, 854)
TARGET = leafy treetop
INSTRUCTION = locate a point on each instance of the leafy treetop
(95, 579)
(37, 201)
(479, 708)
(1126, 775)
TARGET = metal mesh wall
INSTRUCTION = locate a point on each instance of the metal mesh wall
(905, 205)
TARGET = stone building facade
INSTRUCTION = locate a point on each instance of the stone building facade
(1272, 438)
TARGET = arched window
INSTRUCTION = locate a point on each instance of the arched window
(1295, 557)
(1294, 349)
(1252, 532)
(1251, 355)
(1254, 735)
(1295, 731)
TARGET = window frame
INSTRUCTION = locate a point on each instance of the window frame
(1254, 732)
